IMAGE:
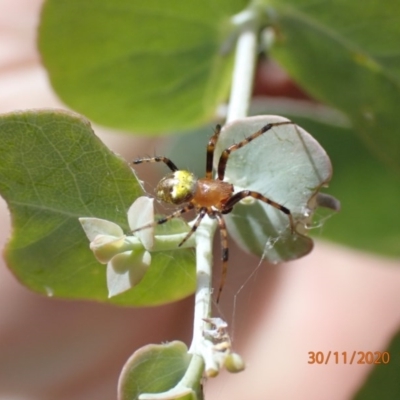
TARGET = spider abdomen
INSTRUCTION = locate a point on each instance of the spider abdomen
(177, 187)
(212, 193)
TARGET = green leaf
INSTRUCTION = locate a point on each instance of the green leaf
(53, 170)
(383, 383)
(345, 53)
(147, 66)
(157, 369)
(286, 165)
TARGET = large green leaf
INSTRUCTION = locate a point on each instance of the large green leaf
(345, 53)
(139, 65)
(119, 62)
(53, 170)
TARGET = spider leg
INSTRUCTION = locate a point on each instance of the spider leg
(225, 251)
(163, 220)
(223, 160)
(249, 193)
(210, 151)
(202, 213)
(165, 160)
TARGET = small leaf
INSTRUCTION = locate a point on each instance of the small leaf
(126, 270)
(234, 363)
(141, 213)
(284, 164)
(94, 227)
(106, 247)
(156, 369)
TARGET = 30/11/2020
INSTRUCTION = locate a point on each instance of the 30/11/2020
(344, 357)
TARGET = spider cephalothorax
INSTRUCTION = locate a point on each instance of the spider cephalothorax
(207, 195)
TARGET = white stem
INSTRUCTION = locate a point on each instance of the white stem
(239, 103)
(204, 263)
(243, 73)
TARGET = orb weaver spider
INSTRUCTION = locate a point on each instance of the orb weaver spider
(208, 196)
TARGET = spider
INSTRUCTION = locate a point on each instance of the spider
(207, 195)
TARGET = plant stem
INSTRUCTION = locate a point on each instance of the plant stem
(243, 73)
(242, 86)
(204, 261)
